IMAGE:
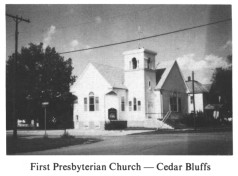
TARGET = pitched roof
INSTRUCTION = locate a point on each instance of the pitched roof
(198, 87)
(113, 75)
(162, 70)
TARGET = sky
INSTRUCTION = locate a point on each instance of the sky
(71, 27)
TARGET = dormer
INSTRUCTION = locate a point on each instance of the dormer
(139, 59)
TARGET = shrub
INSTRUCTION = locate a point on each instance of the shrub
(115, 125)
(201, 120)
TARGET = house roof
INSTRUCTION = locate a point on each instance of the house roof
(113, 75)
(198, 87)
(163, 68)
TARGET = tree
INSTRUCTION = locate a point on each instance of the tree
(42, 75)
(222, 86)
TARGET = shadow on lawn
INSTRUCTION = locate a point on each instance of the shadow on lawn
(22, 145)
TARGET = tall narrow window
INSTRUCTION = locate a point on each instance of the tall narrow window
(85, 100)
(173, 103)
(134, 102)
(122, 103)
(134, 63)
(148, 63)
(91, 101)
(130, 106)
(191, 99)
(179, 105)
(139, 105)
(97, 103)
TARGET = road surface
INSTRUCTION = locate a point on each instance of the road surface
(202, 143)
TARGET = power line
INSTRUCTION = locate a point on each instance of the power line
(153, 36)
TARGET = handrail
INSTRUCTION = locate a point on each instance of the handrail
(165, 118)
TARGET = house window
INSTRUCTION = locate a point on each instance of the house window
(130, 106)
(173, 103)
(134, 63)
(85, 100)
(97, 103)
(191, 99)
(139, 105)
(135, 105)
(149, 85)
(122, 103)
(91, 101)
(77, 117)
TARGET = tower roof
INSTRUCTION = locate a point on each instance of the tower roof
(140, 50)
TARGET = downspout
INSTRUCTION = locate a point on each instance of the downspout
(161, 103)
(104, 109)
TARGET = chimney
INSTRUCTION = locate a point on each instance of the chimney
(189, 78)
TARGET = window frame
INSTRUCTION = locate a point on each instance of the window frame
(134, 104)
(130, 105)
(96, 103)
(139, 105)
(85, 102)
(173, 104)
(134, 63)
(122, 103)
(91, 102)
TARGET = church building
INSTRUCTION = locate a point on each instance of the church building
(143, 93)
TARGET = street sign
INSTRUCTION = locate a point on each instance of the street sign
(44, 104)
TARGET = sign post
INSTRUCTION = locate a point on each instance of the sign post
(44, 105)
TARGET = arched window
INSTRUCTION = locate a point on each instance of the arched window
(91, 101)
(134, 63)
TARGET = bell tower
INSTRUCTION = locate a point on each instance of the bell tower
(139, 66)
(139, 59)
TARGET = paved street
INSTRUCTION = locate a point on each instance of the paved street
(203, 143)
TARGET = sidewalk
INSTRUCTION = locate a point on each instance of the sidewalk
(77, 132)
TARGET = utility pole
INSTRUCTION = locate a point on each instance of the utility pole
(194, 109)
(17, 20)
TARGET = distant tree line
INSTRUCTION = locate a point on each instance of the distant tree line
(221, 90)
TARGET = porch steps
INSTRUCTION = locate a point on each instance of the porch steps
(156, 124)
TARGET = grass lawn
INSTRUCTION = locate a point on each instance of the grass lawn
(21, 145)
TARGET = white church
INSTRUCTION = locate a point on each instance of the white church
(143, 93)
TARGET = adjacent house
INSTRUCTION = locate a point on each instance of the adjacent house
(201, 95)
(143, 93)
